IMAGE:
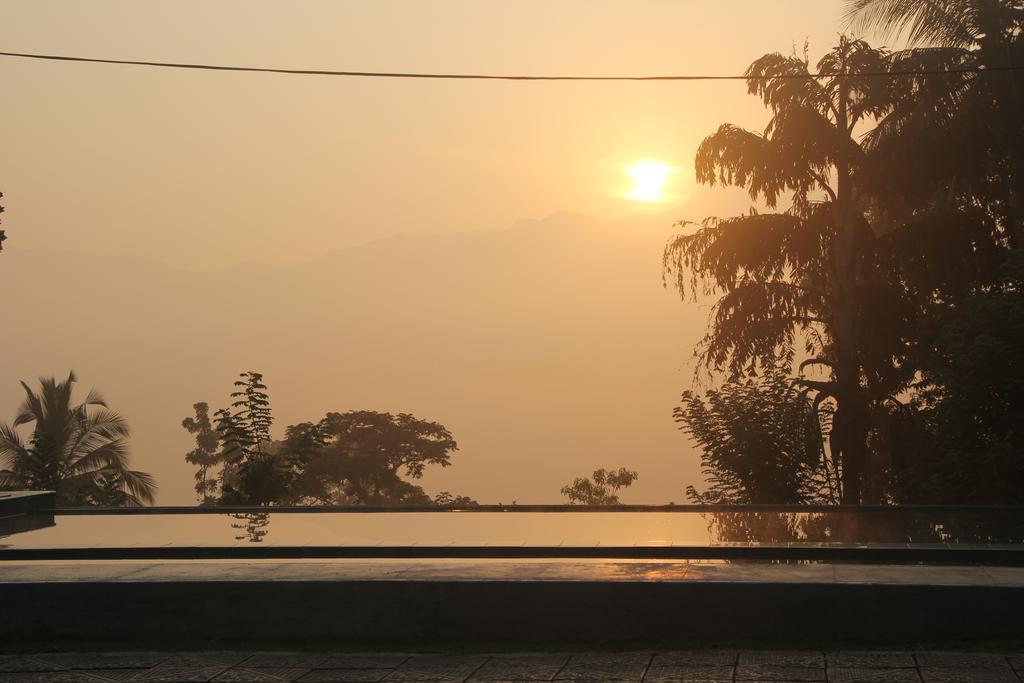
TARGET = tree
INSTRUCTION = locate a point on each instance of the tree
(952, 149)
(252, 474)
(970, 401)
(960, 134)
(206, 455)
(811, 274)
(79, 451)
(761, 442)
(446, 498)
(602, 489)
(359, 457)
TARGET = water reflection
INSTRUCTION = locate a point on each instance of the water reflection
(255, 526)
(582, 529)
(865, 527)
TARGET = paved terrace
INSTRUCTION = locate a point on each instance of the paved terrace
(709, 666)
(475, 571)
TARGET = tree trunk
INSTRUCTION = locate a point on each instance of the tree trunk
(850, 424)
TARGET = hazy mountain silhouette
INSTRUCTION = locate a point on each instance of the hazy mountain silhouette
(549, 348)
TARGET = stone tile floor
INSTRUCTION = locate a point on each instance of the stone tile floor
(692, 666)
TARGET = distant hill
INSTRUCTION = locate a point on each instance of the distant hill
(549, 349)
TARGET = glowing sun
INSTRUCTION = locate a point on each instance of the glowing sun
(648, 180)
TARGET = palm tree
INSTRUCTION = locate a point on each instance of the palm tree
(812, 273)
(961, 133)
(79, 451)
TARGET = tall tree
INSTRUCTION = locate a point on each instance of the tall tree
(252, 406)
(950, 183)
(206, 455)
(252, 475)
(80, 451)
(809, 274)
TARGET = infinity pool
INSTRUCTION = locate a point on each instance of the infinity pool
(576, 529)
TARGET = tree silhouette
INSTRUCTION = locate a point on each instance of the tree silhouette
(949, 185)
(602, 489)
(971, 400)
(252, 474)
(960, 134)
(810, 274)
(761, 442)
(79, 451)
(360, 456)
(206, 455)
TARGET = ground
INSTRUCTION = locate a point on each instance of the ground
(707, 666)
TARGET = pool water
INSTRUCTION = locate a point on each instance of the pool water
(584, 529)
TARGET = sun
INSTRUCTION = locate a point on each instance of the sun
(648, 180)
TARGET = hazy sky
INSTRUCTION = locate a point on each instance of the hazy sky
(572, 358)
(207, 169)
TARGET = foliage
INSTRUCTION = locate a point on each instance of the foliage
(251, 526)
(251, 475)
(971, 399)
(601, 489)
(950, 179)
(957, 23)
(959, 136)
(446, 498)
(358, 457)
(814, 275)
(79, 451)
(896, 267)
(761, 442)
(252, 405)
(206, 455)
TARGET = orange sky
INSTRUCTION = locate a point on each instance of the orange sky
(207, 169)
(570, 358)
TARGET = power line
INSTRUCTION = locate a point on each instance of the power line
(503, 77)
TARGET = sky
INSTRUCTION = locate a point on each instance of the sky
(162, 173)
(205, 170)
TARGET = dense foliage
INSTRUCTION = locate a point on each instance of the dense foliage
(79, 451)
(353, 458)
(761, 443)
(893, 275)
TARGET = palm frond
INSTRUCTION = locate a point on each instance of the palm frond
(94, 398)
(141, 486)
(31, 409)
(109, 455)
(775, 78)
(923, 22)
(81, 450)
(12, 448)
